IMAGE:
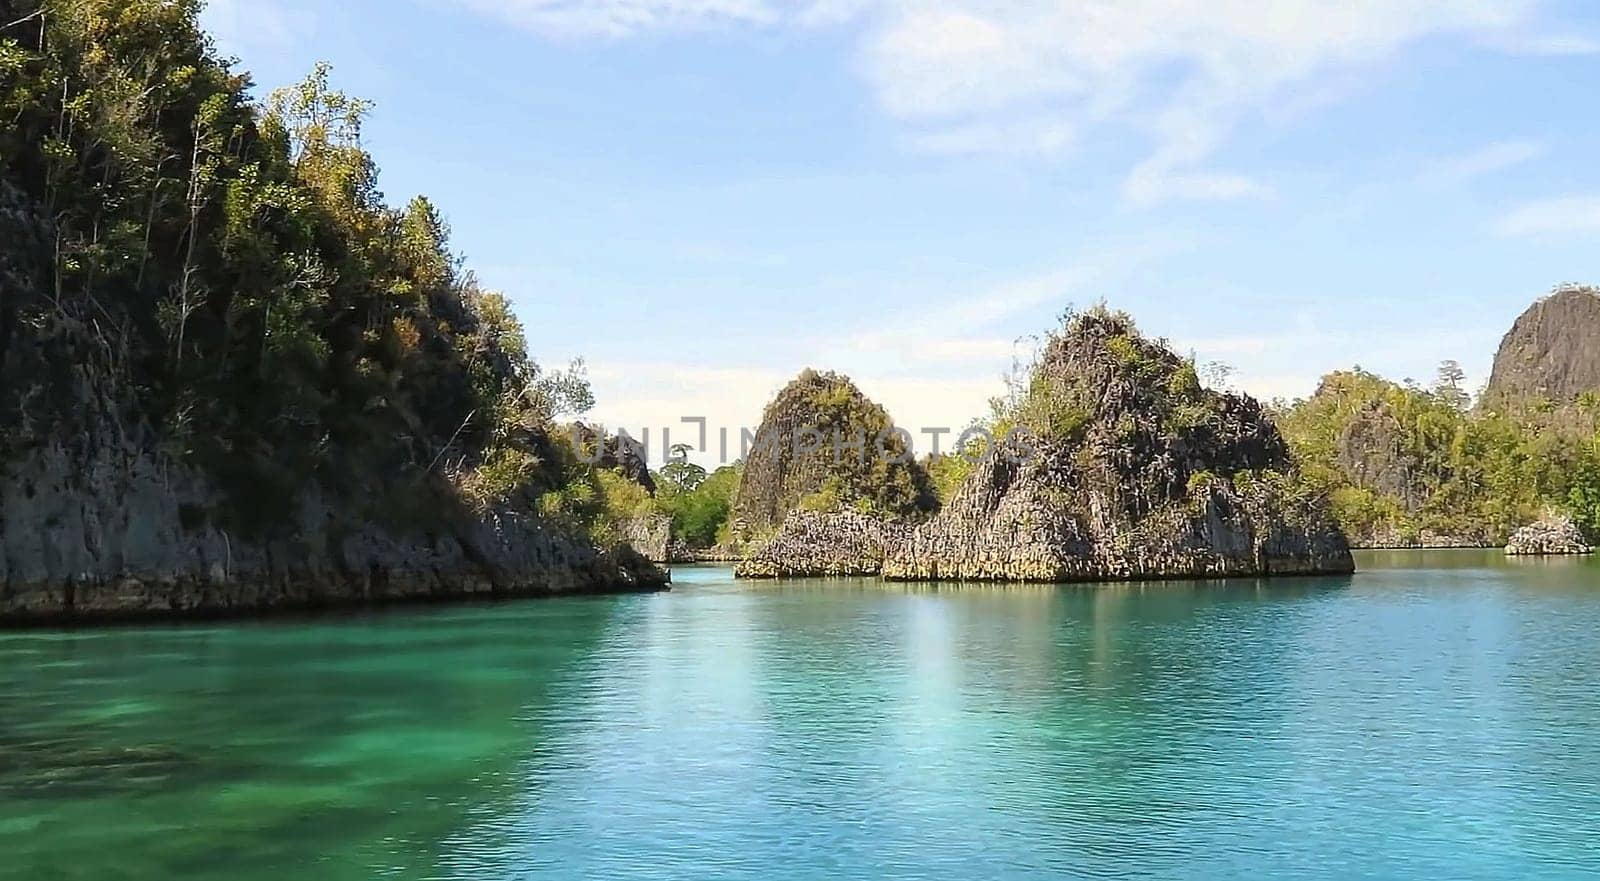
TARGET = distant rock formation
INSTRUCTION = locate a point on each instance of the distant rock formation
(824, 446)
(651, 535)
(1373, 450)
(1553, 535)
(1389, 539)
(819, 544)
(1551, 353)
(1400, 464)
(618, 452)
(1130, 470)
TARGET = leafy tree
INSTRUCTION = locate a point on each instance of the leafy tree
(1447, 387)
(679, 475)
(700, 515)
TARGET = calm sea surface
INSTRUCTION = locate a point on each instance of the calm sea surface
(1435, 717)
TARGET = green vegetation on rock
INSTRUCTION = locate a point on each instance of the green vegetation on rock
(234, 376)
(1406, 465)
(1111, 460)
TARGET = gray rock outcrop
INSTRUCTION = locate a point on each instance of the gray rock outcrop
(1372, 450)
(97, 530)
(114, 531)
(1551, 536)
(651, 535)
(617, 452)
(96, 522)
(820, 544)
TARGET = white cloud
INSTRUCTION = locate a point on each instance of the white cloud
(1034, 76)
(244, 28)
(1187, 73)
(1545, 44)
(1274, 364)
(650, 399)
(620, 18)
(1035, 136)
(1559, 215)
(1455, 170)
(965, 330)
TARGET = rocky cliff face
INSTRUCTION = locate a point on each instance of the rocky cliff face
(814, 544)
(1372, 451)
(90, 529)
(823, 445)
(1552, 352)
(651, 535)
(1126, 468)
(97, 522)
(617, 452)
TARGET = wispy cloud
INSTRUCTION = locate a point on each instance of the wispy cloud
(246, 28)
(1455, 170)
(968, 329)
(1545, 44)
(1186, 73)
(621, 18)
(1038, 76)
(1034, 136)
(1565, 214)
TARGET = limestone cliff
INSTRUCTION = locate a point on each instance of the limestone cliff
(1125, 467)
(820, 544)
(1374, 449)
(1551, 353)
(823, 445)
(97, 527)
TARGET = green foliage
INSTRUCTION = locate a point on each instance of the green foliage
(1450, 470)
(237, 268)
(830, 496)
(1053, 409)
(948, 471)
(700, 514)
(680, 476)
(1583, 497)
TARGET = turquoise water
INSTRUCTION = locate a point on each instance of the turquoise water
(1437, 716)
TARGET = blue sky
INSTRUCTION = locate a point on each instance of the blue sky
(702, 197)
